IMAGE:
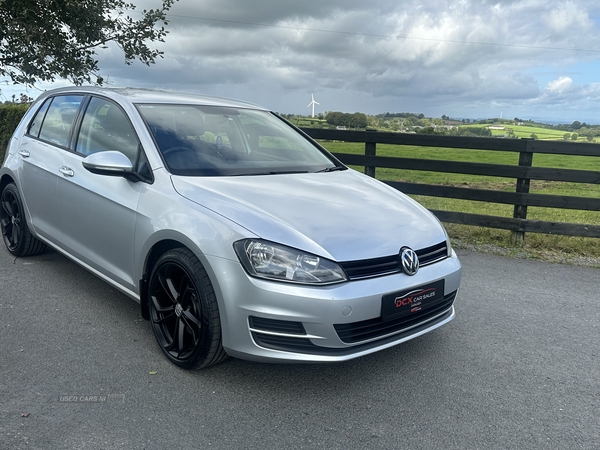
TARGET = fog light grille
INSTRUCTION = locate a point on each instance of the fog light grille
(276, 326)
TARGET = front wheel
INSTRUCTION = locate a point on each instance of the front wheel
(183, 311)
(18, 239)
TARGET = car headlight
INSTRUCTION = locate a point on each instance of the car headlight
(264, 259)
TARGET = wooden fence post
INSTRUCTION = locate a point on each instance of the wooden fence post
(520, 211)
(370, 150)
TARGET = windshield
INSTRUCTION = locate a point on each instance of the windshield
(217, 141)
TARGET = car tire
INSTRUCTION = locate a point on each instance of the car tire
(18, 239)
(184, 314)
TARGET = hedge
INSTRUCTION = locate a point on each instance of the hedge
(10, 116)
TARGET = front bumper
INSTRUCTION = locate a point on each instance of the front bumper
(271, 321)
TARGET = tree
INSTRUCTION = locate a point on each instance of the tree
(483, 131)
(373, 122)
(411, 121)
(358, 120)
(45, 40)
(334, 118)
(426, 130)
(23, 99)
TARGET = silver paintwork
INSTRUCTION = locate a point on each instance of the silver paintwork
(110, 224)
(109, 162)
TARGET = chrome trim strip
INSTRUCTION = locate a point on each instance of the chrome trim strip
(272, 333)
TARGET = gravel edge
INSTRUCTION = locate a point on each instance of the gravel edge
(524, 253)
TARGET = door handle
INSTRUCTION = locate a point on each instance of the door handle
(24, 153)
(67, 171)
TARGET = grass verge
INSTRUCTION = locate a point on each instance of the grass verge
(553, 248)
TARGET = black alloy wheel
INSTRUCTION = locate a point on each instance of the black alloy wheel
(183, 311)
(16, 235)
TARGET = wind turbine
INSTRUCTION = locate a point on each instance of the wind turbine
(313, 103)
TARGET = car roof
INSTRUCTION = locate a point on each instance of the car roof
(145, 95)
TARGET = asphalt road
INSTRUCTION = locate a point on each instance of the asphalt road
(519, 368)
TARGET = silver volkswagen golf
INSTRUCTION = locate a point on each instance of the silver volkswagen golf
(237, 233)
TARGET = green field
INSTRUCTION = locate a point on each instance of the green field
(536, 244)
(525, 131)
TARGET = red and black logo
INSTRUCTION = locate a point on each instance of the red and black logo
(419, 298)
(415, 298)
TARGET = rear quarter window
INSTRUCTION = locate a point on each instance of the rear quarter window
(36, 124)
(57, 120)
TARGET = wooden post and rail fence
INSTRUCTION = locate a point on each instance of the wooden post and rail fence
(523, 173)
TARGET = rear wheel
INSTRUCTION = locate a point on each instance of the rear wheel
(18, 239)
(183, 311)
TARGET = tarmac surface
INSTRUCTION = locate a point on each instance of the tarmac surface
(519, 368)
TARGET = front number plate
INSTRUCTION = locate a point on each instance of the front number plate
(405, 303)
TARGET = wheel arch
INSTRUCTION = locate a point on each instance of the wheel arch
(5, 181)
(161, 241)
(155, 252)
(25, 242)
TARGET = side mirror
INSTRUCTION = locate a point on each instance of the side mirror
(111, 163)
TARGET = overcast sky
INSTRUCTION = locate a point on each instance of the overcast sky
(535, 59)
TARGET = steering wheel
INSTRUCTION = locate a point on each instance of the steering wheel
(177, 149)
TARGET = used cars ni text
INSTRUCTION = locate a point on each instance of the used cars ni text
(236, 232)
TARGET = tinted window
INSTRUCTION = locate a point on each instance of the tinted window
(57, 124)
(216, 141)
(36, 123)
(106, 127)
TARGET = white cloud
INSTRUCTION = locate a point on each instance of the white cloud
(560, 85)
(381, 55)
(568, 17)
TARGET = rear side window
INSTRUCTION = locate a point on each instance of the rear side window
(58, 120)
(36, 124)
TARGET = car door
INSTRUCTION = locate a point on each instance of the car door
(98, 212)
(42, 150)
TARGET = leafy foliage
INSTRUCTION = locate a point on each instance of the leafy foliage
(356, 120)
(10, 116)
(41, 40)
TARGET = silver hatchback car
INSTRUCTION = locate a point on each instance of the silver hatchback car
(237, 233)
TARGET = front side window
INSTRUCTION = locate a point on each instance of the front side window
(58, 121)
(105, 127)
(216, 141)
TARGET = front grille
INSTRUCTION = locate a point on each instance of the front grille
(432, 254)
(352, 333)
(386, 265)
(371, 267)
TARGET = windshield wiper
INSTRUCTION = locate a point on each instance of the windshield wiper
(332, 169)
